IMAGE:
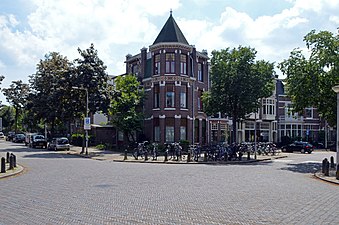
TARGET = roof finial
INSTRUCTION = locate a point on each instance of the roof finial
(171, 12)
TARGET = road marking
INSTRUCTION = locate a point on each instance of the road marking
(283, 160)
(310, 162)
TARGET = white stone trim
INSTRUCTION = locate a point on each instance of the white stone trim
(162, 116)
(177, 116)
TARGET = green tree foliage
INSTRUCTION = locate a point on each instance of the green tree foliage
(17, 95)
(49, 100)
(126, 104)
(310, 79)
(90, 74)
(238, 82)
(8, 117)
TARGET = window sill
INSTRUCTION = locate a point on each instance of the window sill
(169, 109)
(156, 109)
(183, 109)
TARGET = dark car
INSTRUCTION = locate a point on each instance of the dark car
(38, 141)
(299, 146)
(10, 136)
(59, 144)
(19, 138)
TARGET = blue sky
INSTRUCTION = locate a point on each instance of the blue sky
(31, 28)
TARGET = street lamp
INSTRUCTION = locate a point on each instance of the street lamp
(336, 90)
(86, 119)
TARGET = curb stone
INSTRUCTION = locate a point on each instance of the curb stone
(9, 173)
(329, 179)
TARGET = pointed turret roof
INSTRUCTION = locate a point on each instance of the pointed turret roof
(171, 33)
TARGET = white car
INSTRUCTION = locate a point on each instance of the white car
(2, 136)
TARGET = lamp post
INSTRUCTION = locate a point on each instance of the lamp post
(336, 90)
(86, 119)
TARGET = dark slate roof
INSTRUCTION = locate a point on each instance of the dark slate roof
(280, 87)
(171, 33)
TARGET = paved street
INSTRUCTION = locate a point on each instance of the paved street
(64, 189)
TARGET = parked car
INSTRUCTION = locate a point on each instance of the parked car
(2, 136)
(59, 144)
(10, 136)
(38, 141)
(299, 146)
(19, 138)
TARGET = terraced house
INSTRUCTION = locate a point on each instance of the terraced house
(174, 75)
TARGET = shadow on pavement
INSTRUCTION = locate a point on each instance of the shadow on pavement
(52, 155)
(310, 167)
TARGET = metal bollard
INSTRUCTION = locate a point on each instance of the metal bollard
(327, 168)
(7, 157)
(332, 162)
(248, 155)
(146, 156)
(166, 155)
(337, 172)
(323, 165)
(3, 165)
(188, 157)
(205, 157)
(11, 162)
(14, 160)
(125, 156)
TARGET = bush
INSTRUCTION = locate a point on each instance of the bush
(101, 147)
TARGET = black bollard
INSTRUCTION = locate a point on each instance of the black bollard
(125, 156)
(337, 172)
(323, 165)
(11, 162)
(188, 157)
(166, 155)
(248, 155)
(14, 160)
(205, 157)
(7, 157)
(3, 165)
(332, 162)
(146, 155)
(327, 168)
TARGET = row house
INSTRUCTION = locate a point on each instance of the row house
(174, 75)
(306, 126)
(273, 122)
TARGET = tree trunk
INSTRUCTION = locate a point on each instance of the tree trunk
(16, 120)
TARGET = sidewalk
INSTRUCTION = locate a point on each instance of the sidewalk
(119, 157)
(17, 170)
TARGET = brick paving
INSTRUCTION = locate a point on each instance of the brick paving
(65, 189)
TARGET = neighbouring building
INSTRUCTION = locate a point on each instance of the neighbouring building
(306, 126)
(174, 75)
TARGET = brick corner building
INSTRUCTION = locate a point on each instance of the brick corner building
(174, 75)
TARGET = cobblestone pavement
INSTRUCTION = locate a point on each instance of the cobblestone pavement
(64, 189)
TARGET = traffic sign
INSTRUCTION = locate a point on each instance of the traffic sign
(87, 123)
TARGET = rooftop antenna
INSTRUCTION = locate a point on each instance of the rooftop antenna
(171, 12)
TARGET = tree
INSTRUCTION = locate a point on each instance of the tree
(90, 74)
(7, 113)
(310, 79)
(237, 83)
(126, 103)
(50, 99)
(17, 95)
